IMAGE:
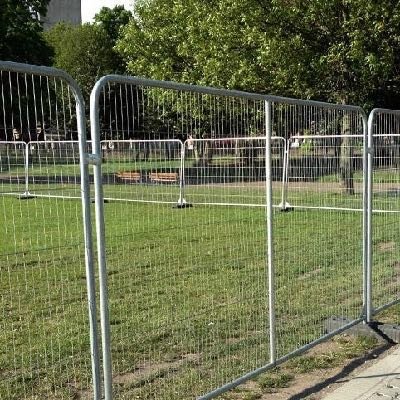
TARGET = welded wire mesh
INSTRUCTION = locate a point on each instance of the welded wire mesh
(319, 270)
(385, 208)
(54, 168)
(44, 330)
(35, 107)
(318, 251)
(187, 287)
(188, 297)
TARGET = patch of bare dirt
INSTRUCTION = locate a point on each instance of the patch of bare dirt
(386, 246)
(146, 372)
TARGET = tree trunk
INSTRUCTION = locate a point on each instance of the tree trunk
(346, 158)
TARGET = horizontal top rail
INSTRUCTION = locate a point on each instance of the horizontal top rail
(132, 80)
(325, 136)
(383, 111)
(231, 139)
(42, 70)
(141, 141)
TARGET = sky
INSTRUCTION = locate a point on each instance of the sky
(91, 7)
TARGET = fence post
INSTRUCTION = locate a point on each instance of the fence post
(100, 233)
(270, 244)
(26, 194)
(368, 161)
(285, 206)
(182, 201)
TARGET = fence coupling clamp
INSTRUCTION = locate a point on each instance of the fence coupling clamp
(93, 159)
(370, 150)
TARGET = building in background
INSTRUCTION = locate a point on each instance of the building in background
(63, 11)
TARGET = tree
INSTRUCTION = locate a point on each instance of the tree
(112, 20)
(340, 50)
(85, 52)
(21, 37)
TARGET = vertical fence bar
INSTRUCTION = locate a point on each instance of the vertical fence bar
(91, 287)
(269, 226)
(182, 201)
(367, 218)
(100, 233)
(26, 170)
(285, 176)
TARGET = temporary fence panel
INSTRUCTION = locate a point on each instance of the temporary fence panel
(187, 279)
(12, 168)
(319, 263)
(203, 298)
(46, 273)
(384, 143)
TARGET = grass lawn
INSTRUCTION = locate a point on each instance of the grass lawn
(188, 287)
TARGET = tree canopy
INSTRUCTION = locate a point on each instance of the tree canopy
(21, 31)
(85, 52)
(112, 19)
(340, 50)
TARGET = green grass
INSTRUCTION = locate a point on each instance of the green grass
(72, 168)
(387, 175)
(188, 291)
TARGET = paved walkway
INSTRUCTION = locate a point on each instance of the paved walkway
(381, 381)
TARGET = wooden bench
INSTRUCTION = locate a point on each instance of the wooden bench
(129, 176)
(163, 177)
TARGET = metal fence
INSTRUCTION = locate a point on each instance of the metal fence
(230, 228)
(48, 314)
(41, 169)
(204, 298)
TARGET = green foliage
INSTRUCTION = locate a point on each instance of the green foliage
(311, 363)
(21, 31)
(85, 52)
(342, 50)
(112, 20)
(352, 347)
